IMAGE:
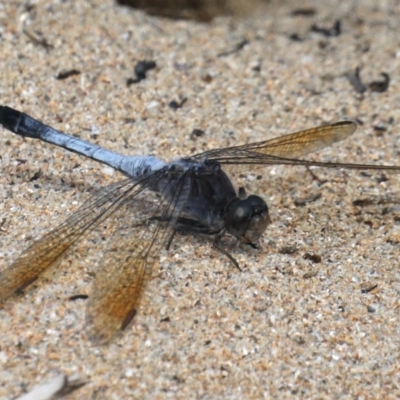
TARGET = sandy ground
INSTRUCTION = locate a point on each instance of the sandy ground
(285, 327)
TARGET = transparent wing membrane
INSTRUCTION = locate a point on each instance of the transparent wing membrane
(284, 150)
(292, 145)
(127, 264)
(47, 250)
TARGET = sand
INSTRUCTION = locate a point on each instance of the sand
(287, 326)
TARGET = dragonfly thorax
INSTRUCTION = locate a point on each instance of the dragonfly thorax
(247, 219)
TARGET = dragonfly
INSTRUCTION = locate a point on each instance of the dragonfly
(157, 199)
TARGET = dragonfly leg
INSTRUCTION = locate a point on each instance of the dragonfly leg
(219, 247)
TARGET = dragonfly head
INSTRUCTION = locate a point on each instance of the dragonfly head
(247, 219)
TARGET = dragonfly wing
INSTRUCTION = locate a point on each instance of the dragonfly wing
(47, 250)
(286, 149)
(299, 144)
(127, 263)
(289, 146)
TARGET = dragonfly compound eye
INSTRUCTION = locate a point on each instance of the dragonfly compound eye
(247, 219)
